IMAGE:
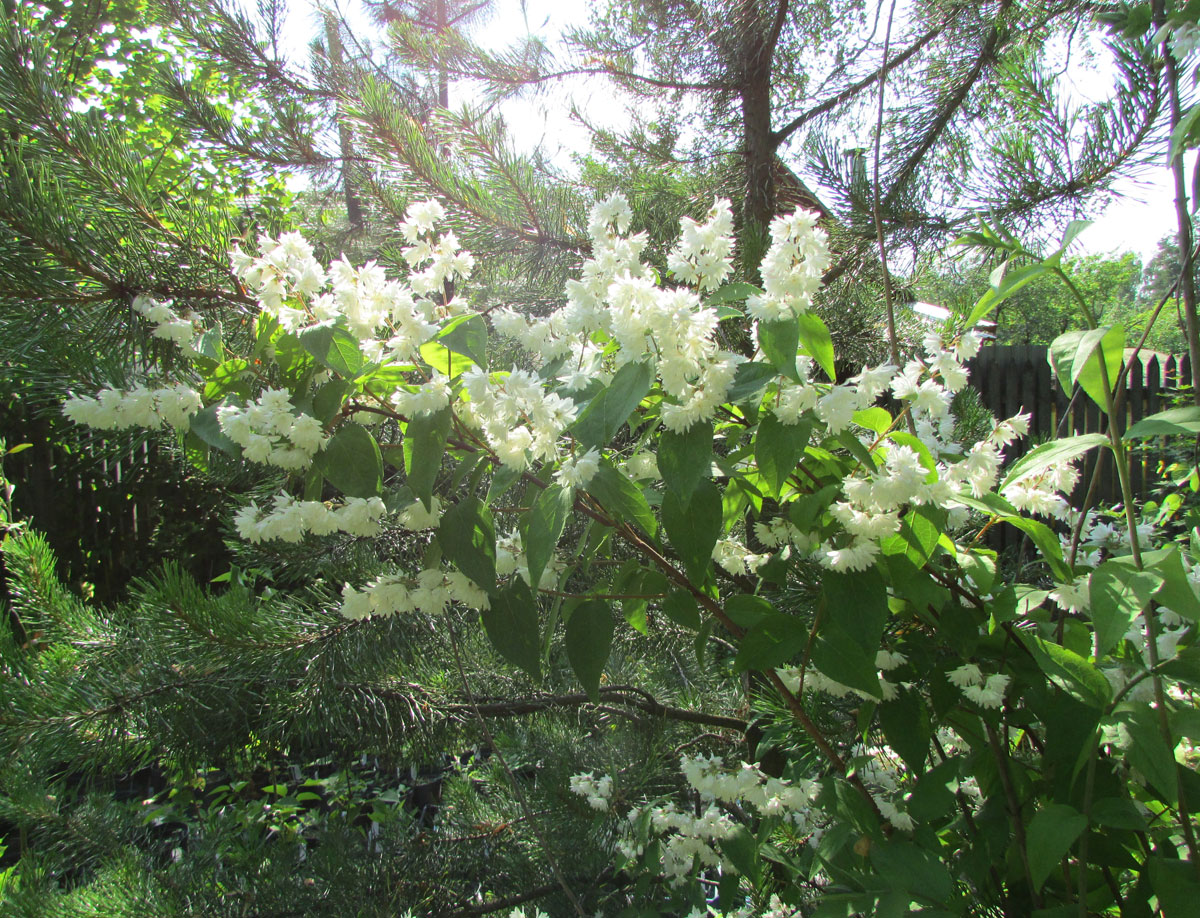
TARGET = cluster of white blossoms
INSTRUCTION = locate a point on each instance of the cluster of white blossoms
(270, 431)
(736, 558)
(390, 318)
(987, 692)
(511, 560)
(1042, 492)
(168, 324)
(792, 268)
(290, 520)
(775, 909)
(687, 838)
(577, 471)
(431, 591)
(519, 418)
(703, 256)
(121, 409)
(618, 296)
(817, 681)
(597, 791)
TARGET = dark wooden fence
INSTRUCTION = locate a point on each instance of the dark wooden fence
(1010, 379)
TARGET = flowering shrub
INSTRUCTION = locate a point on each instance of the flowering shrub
(982, 708)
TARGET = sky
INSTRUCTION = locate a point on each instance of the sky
(1140, 214)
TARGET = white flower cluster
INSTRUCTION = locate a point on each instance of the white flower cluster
(271, 432)
(598, 791)
(618, 296)
(687, 838)
(736, 558)
(429, 397)
(817, 681)
(511, 559)
(577, 471)
(792, 268)
(390, 318)
(439, 258)
(120, 409)
(290, 520)
(431, 592)
(775, 909)
(703, 255)
(168, 324)
(986, 692)
(1041, 493)
(519, 418)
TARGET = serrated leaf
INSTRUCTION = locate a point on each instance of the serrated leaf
(1167, 423)
(771, 642)
(906, 726)
(351, 461)
(1051, 833)
(737, 292)
(1054, 453)
(589, 640)
(749, 380)
(468, 538)
(511, 623)
(1085, 357)
(681, 608)
(685, 458)
(778, 448)
(599, 422)
(424, 445)
(780, 342)
(541, 527)
(622, 498)
(334, 347)
(448, 362)
(1119, 592)
(204, 424)
(1004, 284)
(693, 526)
(817, 342)
(466, 335)
(1070, 672)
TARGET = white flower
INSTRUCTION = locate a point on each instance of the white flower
(576, 472)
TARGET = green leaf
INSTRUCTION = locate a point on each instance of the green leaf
(351, 461)
(1085, 356)
(737, 292)
(838, 655)
(1175, 886)
(466, 335)
(210, 344)
(607, 411)
(1008, 284)
(749, 380)
(780, 342)
(589, 640)
(468, 538)
(1056, 452)
(226, 377)
(685, 458)
(334, 347)
(854, 612)
(424, 445)
(875, 419)
(817, 342)
(681, 608)
(1051, 833)
(777, 449)
(511, 623)
(328, 400)
(920, 530)
(773, 640)
(541, 527)
(1119, 592)
(1176, 592)
(204, 424)
(1070, 672)
(904, 865)
(1186, 134)
(1167, 423)
(906, 726)
(622, 498)
(1047, 543)
(1148, 751)
(693, 526)
(444, 359)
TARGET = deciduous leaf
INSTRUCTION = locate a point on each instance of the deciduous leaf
(1056, 452)
(351, 461)
(906, 726)
(904, 865)
(204, 424)
(1085, 357)
(737, 292)
(749, 381)
(1119, 592)
(778, 448)
(1070, 672)
(511, 623)
(622, 498)
(541, 527)
(817, 342)
(693, 526)
(1002, 288)
(610, 408)
(1050, 835)
(684, 458)
(773, 640)
(466, 335)
(589, 640)
(424, 445)
(780, 342)
(681, 608)
(468, 538)
(1167, 423)
(334, 347)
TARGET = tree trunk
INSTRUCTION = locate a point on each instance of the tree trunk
(759, 151)
(354, 208)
